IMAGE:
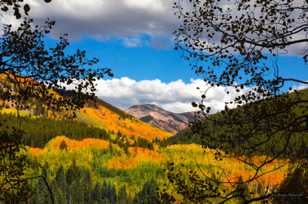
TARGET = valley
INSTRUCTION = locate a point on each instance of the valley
(105, 155)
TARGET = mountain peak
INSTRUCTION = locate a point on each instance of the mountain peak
(160, 117)
(146, 106)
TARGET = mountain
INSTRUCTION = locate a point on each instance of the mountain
(96, 114)
(163, 119)
(115, 121)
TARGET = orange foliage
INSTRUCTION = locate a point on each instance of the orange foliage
(64, 143)
(233, 168)
(112, 122)
(75, 144)
(70, 145)
(13, 77)
(268, 179)
(137, 156)
(270, 174)
(36, 151)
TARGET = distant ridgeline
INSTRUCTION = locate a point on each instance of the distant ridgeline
(212, 132)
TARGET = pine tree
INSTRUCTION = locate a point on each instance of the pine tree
(123, 196)
(109, 193)
(61, 185)
(148, 194)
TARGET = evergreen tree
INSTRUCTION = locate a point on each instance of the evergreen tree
(123, 196)
(60, 185)
(96, 193)
(85, 185)
(148, 194)
(41, 193)
(109, 194)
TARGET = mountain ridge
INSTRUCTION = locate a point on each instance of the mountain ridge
(161, 118)
(95, 112)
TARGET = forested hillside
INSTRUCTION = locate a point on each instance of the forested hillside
(104, 155)
(95, 170)
(211, 131)
(107, 156)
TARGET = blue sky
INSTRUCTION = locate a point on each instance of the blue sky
(146, 62)
(134, 38)
(140, 63)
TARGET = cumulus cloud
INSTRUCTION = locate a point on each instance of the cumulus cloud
(175, 96)
(125, 19)
(106, 19)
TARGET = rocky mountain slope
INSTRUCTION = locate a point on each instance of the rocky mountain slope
(163, 119)
(115, 121)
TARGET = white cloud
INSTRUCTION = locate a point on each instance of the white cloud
(125, 19)
(175, 96)
(132, 42)
(145, 4)
(106, 19)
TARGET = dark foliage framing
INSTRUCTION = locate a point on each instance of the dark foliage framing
(237, 44)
